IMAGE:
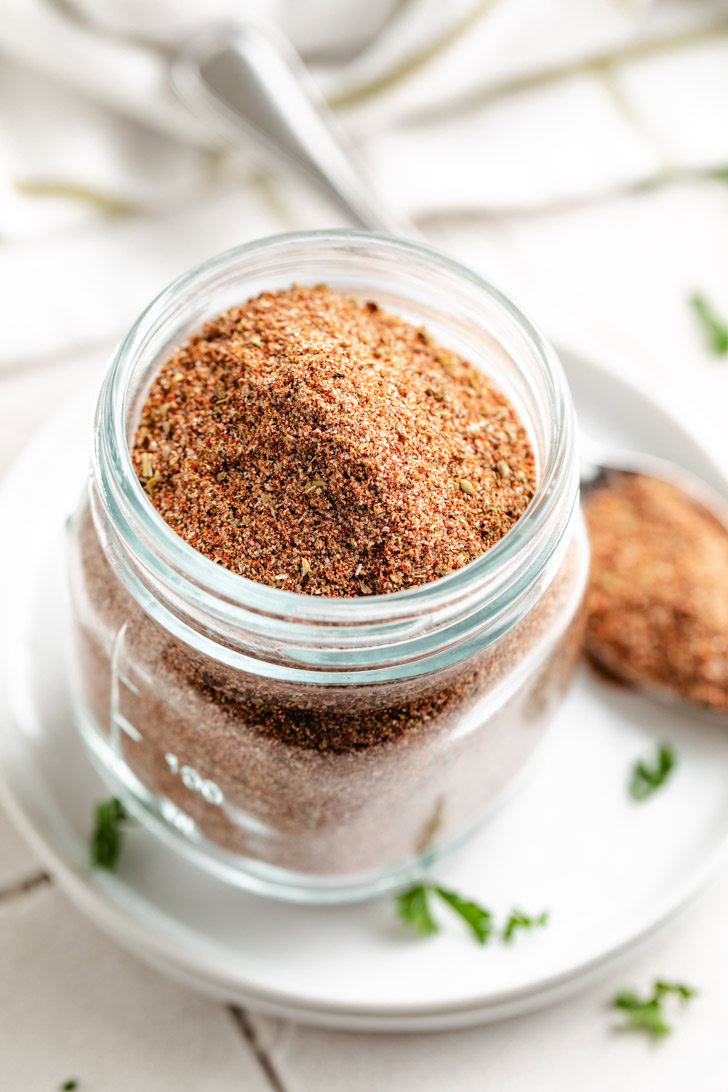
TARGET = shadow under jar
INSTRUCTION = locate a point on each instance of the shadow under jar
(312, 748)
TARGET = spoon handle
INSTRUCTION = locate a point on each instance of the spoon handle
(240, 75)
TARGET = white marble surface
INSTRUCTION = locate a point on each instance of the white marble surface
(75, 1006)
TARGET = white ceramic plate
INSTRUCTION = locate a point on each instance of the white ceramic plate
(608, 870)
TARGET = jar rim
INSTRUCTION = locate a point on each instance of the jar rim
(198, 579)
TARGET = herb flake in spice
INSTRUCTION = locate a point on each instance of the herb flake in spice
(320, 445)
(110, 818)
(646, 778)
(647, 1014)
(657, 605)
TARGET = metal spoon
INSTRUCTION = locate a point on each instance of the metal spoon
(247, 81)
(252, 80)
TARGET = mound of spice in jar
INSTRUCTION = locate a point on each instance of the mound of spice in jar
(315, 443)
(658, 597)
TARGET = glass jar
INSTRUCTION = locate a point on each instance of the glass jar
(305, 747)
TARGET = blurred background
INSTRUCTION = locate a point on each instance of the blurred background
(573, 151)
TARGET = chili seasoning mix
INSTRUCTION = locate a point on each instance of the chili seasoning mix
(318, 444)
(658, 595)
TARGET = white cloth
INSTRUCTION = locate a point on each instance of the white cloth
(109, 188)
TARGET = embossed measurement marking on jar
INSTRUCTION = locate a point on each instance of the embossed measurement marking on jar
(194, 781)
(179, 819)
(188, 775)
(118, 720)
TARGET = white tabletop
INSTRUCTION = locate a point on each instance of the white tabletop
(74, 1005)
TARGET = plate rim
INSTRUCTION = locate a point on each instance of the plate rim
(108, 915)
(97, 902)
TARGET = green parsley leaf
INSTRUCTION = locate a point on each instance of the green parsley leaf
(646, 779)
(107, 835)
(642, 1015)
(716, 330)
(647, 1014)
(414, 909)
(69, 1085)
(685, 993)
(476, 917)
(518, 920)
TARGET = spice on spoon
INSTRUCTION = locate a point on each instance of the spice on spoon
(657, 606)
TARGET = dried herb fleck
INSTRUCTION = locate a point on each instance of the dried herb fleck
(413, 907)
(518, 920)
(110, 818)
(656, 614)
(647, 777)
(716, 330)
(647, 1014)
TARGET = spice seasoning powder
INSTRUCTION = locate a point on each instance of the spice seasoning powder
(658, 596)
(318, 444)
